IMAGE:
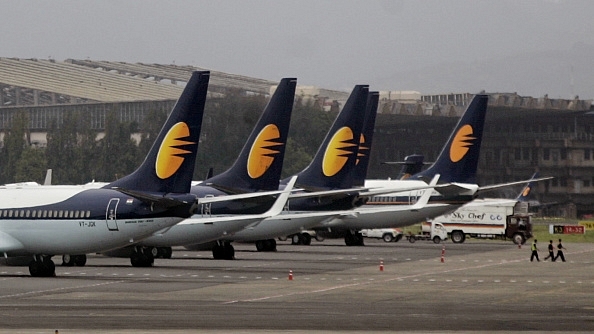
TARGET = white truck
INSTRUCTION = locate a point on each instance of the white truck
(386, 234)
(487, 219)
(434, 231)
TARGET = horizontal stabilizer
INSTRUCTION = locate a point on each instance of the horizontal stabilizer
(160, 201)
(501, 185)
(454, 189)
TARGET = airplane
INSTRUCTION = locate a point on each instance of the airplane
(456, 164)
(253, 178)
(198, 227)
(331, 168)
(49, 220)
(317, 205)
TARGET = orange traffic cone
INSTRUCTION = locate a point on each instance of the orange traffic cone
(443, 254)
(381, 265)
(290, 275)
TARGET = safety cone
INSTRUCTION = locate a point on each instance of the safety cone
(290, 275)
(381, 265)
(443, 254)
(520, 245)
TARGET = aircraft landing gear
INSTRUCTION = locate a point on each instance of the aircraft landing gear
(42, 266)
(223, 250)
(354, 238)
(74, 260)
(268, 245)
(142, 257)
(164, 252)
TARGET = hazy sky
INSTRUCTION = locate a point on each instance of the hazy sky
(531, 47)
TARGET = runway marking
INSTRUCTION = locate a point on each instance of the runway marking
(60, 289)
(414, 277)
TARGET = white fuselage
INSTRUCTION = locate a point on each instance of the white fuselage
(53, 220)
(396, 209)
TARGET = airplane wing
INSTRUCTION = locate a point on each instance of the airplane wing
(501, 185)
(364, 191)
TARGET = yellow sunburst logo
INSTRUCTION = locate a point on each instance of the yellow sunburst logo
(338, 151)
(461, 143)
(263, 152)
(526, 192)
(363, 149)
(170, 156)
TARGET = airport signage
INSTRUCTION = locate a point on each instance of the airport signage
(588, 224)
(567, 229)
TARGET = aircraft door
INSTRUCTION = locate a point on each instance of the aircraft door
(110, 214)
(205, 208)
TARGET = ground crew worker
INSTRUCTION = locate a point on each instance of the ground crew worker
(560, 249)
(551, 251)
(534, 252)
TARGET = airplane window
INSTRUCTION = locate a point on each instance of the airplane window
(71, 214)
(22, 213)
(28, 213)
(88, 214)
(10, 213)
(3, 213)
(34, 214)
(44, 213)
(76, 214)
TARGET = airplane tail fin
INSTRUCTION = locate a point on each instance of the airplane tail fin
(523, 196)
(412, 165)
(364, 152)
(458, 160)
(170, 163)
(260, 162)
(332, 166)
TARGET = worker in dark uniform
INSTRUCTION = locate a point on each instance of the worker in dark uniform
(560, 249)
(551, 251)
(534, 252)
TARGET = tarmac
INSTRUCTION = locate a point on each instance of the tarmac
(382, 287)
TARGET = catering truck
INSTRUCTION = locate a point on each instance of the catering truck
(487, 219)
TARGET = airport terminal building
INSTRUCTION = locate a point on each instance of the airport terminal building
(522, 135)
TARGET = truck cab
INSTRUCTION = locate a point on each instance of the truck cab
(519, 228)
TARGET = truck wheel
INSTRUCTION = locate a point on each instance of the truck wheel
(458, 237)
(295, 239)
(518, 239)
(412, 239)
(387, 237)
(436, 239)
(398, 238)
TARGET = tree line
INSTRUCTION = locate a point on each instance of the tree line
(76, 154)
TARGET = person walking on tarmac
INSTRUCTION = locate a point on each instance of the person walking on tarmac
(551, 251)
(560, 249)
(534, 252)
